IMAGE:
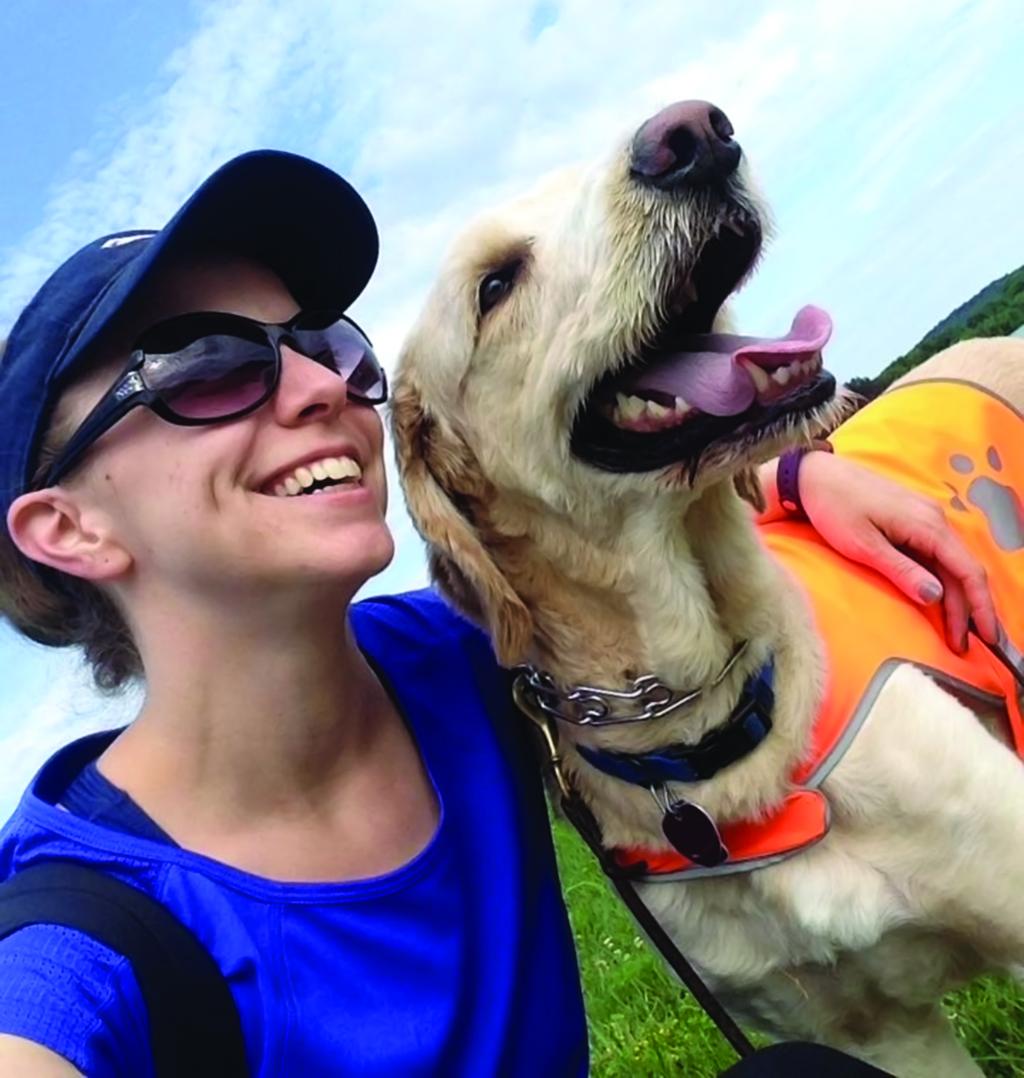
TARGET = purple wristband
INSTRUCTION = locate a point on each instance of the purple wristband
(787, 475)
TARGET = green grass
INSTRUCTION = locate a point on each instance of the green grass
(642, 1023)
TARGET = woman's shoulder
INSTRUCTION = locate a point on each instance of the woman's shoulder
(430, 653)
(422, 607)
(59, 987)
(420, 617)
(69, 993)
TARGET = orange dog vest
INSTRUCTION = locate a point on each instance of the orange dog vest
(963, 447)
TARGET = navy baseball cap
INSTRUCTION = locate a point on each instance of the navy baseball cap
(298, 218)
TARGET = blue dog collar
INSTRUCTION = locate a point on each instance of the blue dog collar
(748, 725)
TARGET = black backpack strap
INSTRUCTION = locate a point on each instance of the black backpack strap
(194, 1025)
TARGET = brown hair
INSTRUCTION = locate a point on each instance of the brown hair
(60, 610)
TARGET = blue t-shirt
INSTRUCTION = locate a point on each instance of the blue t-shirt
(94, 797)
(459, 963)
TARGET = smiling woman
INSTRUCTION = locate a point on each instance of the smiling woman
(194, 488)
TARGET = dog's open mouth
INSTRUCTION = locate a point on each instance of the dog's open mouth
(693, 388)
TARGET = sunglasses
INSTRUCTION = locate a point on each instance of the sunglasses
(204, 368)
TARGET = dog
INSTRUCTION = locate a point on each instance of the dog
(607, 543)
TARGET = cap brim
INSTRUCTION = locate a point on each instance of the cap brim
(291, 214)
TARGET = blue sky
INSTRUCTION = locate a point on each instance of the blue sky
(889, 138)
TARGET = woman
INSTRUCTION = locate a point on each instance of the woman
(332, 797)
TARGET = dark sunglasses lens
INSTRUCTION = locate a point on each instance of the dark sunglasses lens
(342, 347)
(214, 377)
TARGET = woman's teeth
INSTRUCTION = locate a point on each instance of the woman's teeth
(320, 474)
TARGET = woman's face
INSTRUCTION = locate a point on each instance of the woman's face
(196, 507)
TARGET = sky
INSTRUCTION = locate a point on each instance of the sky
(888, 138)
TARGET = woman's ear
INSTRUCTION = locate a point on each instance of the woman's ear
(50, 527)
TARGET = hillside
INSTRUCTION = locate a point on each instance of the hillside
(997, 310)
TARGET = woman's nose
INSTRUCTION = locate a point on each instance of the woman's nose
(307, 390)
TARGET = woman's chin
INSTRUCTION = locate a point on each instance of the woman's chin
(337, 559)
(382, 555)
(360, 554)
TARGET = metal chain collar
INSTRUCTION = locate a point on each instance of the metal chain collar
(590, 705)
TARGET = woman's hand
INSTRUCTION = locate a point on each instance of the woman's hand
(902, 535)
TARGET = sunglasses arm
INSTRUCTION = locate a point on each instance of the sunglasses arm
(128, 393)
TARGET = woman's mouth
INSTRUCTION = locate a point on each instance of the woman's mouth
(316, 477)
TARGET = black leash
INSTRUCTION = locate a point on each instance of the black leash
(583, 820)
(580, 816)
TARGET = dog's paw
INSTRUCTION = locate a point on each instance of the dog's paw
(999, 503)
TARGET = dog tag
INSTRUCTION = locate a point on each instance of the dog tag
(694, 834)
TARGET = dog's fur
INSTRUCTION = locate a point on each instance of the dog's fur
(598, 577)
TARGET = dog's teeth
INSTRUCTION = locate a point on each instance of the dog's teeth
(781, 375)
(628, 409)
(761, 380)
(635, 408)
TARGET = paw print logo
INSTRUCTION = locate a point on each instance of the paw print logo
(999, 503)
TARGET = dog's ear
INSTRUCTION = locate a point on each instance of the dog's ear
(442, 481)
(748, 487)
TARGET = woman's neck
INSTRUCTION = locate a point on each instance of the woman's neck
(267, 742)
(251, 712)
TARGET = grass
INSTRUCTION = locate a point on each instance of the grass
(641, 1022)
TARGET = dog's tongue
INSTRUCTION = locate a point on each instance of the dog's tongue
(709, 373)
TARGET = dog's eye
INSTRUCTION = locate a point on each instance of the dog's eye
(496, 286)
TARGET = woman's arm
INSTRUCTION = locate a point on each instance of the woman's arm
(903, 535)
(19, 1056)
(69, 1006)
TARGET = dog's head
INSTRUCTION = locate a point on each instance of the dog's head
(571, 354)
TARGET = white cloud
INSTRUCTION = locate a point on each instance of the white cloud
(887, 135)
(216, 97)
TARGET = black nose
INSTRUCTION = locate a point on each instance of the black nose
(688, 144)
